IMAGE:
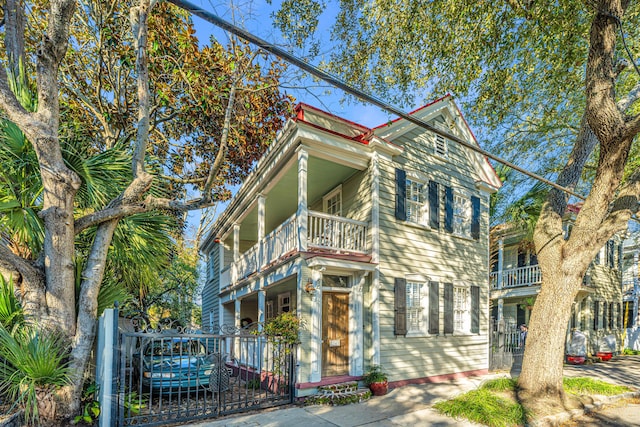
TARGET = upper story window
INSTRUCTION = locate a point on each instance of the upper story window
(461, 214)
(332, 202)
(417, 206)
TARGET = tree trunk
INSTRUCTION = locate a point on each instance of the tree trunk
(87, 313)
(60, 189)
(540, 381)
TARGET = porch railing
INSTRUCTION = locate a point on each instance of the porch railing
(280, 241)
(516, 277)
(249, 261)
(337, 233)
(324, 231)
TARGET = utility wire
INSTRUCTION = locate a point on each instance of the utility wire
(333, 80)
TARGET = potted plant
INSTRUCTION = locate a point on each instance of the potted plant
(376, 380)
(527, 304)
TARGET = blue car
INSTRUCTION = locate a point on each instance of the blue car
(174, 365)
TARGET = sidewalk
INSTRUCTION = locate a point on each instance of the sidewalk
(403, 406)
(411, 405)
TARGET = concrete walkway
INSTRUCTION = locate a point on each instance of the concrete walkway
(411, 405)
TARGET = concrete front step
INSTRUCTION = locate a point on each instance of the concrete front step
(345, 387)
(339, 397)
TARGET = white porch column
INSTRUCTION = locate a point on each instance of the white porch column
(500, 310)
(261, 230)
(316, 328)
(375, 209)
(262, 298)
(236, 253)
(356, 334)
(375, 317)
(500, 262)
(236, 313)
(636, 286)
(220, 286)
(302, 213)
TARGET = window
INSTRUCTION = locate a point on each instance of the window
(332, 202)
(416, 203)
(415, 321)
(461, 309)
(284, 302)
(461, 215)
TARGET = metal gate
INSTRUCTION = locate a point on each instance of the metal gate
(169, 374)
(504, 347)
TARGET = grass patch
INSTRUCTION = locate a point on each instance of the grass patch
(629, 352)
(482, 406)
(500, 384)
(582, 385)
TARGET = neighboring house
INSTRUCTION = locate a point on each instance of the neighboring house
(378, 239)
(516, 277)
(631, 289)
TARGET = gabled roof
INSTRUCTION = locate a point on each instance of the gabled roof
(399, 126)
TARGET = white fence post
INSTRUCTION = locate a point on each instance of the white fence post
(105, 363)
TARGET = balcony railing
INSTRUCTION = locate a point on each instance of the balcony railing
(281, 241)
(337, 233)
(516, 277)
(326, 232)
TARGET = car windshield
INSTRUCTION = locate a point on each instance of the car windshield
(175, 347)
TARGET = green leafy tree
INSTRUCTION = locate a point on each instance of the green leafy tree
(555, 85)
(191, 120)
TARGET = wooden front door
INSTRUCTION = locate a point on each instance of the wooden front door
(335, 333)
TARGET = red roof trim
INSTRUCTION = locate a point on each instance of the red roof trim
(359, 138)
(302, 106)
(414, 111)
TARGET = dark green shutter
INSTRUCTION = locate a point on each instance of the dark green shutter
(620, 256)
(475, 217)
(475, 309)
(448, 308)
(434, 205)
(619, 316)
(448, 209)
(596, 313)
(400, 306)
(401, 195)
(434, 308)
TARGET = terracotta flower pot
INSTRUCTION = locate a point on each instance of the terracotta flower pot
(576, 360)
(604, 355)
(379, 389)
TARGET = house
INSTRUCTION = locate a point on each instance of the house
(516, 278)
(631, 289)
(378, 239)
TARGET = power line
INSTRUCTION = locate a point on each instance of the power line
(333, 80)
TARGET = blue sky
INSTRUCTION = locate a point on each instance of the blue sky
(256, 18)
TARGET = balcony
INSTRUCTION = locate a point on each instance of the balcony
(328, 233)
(529, 275)
(516, 277)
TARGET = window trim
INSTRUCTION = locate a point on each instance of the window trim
(325, 199)
(424, 204)
(466, 197)
(423, 282)
(467, 312)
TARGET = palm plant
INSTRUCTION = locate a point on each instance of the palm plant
(34, 367)
(10, 309)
